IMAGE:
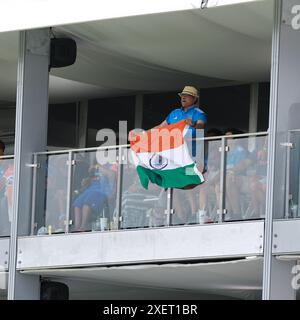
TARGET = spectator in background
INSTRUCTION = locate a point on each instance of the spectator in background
(97, 189)
(258, 181)
(207, 198)
(237, 162)
(6, 188)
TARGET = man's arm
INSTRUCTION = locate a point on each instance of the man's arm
(164, 123)
(198, 125)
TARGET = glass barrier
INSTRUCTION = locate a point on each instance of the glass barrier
(94, 191)
(141, 208)
(77, 191)
(200, 204)
(6, 192)
(3, 284)
(51, 193)
(293, 172)
(246, 176)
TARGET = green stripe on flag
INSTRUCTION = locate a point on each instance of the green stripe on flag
(174, 178)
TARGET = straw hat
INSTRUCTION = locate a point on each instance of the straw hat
(189, 90)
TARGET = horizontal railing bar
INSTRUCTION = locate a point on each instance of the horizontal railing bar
(82, 149)
(243, 135)
(7, 157)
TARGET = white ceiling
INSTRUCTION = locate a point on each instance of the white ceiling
(237, 279)
(159, 52)
(30, 14)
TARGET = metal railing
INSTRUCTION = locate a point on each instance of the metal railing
(63, 204)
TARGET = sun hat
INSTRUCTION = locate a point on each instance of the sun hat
(189, 90)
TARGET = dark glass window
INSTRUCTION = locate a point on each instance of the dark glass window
(263, 107)
(106, 113)
(157, 107)
(226, 107)
(62, 125)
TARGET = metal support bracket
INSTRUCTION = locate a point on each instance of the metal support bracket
(288, 145)
(33, 165)
(226, 149)
(72, 162)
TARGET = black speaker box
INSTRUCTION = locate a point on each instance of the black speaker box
(52, 290)
(63, 52)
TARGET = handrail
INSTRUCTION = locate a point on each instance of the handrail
(100, 148)
(7, 157)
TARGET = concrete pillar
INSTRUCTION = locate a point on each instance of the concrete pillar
(31, 136)
(284, 116)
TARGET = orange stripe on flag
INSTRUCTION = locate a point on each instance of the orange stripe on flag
(159, 139)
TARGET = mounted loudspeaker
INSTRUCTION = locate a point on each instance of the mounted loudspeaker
(63, 52)
(52, 290)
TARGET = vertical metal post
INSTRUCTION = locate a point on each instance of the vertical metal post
(221, 211)
(119, 188)
(69, 191)
(169, 206)
(17, 164)
(33, 201)
(268, 238)
(287, 177)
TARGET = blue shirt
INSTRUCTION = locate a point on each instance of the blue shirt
(234, 157)
(193, 113)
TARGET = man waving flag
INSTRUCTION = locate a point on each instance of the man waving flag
(161, 156)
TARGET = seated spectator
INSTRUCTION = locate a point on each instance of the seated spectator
(96, 191)
(258, 181)
(207, 200)
(238, 160)
(140, 206)
(6, 191)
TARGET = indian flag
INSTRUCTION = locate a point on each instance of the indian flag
(161, 156)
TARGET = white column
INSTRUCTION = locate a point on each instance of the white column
(284, 115)
(31, 136)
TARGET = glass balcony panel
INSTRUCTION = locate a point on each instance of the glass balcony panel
(51, 193)
(6, 193)
(94, 191)
(293, 170)
(246, 172)
(141, 208)
(200, 204)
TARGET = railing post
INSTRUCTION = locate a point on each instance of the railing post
(169, 206)
(222, 211)
(287, 176)
(69, 191)
(33, 198)
(119, 189)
